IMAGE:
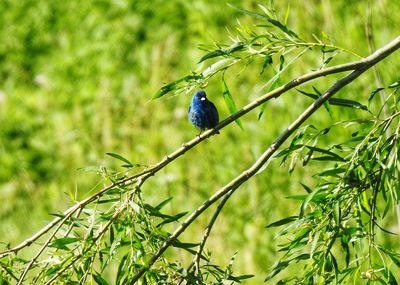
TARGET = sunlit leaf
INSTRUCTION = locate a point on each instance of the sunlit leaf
(61, 243)
(224, 51)
(230, 103)
(99, 279)
(337, 101)
(123, 159)
(274, 22)
(176, 84)
(282, 222)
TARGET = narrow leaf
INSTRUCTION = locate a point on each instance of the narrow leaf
(267, 62)
(176, 84)
(172, 219)
(282, 222)
(274, 22)
(163, 203)
(121, 269)
(119, 157)
(274, 85)
(99, 279)
(61, 243)
(337, 101)
(229, 102)
(225, 51)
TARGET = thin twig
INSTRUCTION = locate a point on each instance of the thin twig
(197, 257)
(250, 172)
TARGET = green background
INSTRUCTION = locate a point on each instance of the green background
(76, 81)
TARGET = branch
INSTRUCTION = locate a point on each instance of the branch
(150, 171)
(359, 68)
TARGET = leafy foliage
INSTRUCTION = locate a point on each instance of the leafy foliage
(342, 219)
(114, 235)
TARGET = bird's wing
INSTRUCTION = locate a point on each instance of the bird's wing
(215, 116)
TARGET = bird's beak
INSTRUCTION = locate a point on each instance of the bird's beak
(202, 98)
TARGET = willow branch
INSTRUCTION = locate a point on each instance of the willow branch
(185, 147)
(150, 171)
(362, 66)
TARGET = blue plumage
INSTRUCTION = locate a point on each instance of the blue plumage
(202, 112)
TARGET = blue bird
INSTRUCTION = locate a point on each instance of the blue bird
(202, 112)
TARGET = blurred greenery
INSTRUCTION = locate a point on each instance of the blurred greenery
(76, 81)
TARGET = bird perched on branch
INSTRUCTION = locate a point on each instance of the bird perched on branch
(202, 112)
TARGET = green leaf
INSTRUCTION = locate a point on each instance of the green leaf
(277, 268)
(112, 234)
(274, 22)
(282, 222)
(267, 61)
(297, 197)
(392, 279)
(61, 243)
(395, 84)
(325, 151)
(119, 157)
(187, 246)
(314, 244)
(394, 256)
(110, 200)
(287, 151)
(285, 263)
(99, 279)
(275, 83)
(347, 103)
(163, 203)
(176, 84)
(337, 101)
(334, 172)
(53, 269)
(344, 242)
(92, 168)
(229, 102)
(373, 93)
(179, 244)
(309, 198)
(335, 266)
(308, 189)
(328, 108)
(238, 279)
(121, 269)
(225, 51)
(281, 62)
(171, 219)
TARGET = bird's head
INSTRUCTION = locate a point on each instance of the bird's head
(200, 96)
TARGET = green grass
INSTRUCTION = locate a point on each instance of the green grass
(77, 78)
